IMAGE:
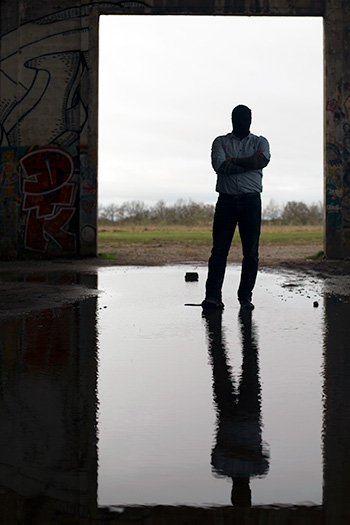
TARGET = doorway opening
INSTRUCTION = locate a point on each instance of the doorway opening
(167, 86)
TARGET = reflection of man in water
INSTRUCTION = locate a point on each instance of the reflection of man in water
(239, 452)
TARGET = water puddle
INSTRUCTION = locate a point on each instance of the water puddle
(128, 397)
(189, 404)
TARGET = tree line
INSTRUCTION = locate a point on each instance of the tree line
(189, 213)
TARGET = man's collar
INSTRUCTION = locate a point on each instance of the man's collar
(237, 138)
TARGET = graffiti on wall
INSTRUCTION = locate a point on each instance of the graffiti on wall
(38, 199)
(9, 195)
(87, 200)
(44, 88)
(46, 80)
(48, 193)
(52, 92)
(338, 162)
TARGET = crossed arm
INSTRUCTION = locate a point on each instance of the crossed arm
(225, 165)
(232, 165)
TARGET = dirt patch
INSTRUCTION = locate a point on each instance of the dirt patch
(291, 255)
(153, 254)
(295, 256)
(27, 286)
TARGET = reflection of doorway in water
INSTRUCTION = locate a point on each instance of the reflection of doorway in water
(164, 96)
(48, 371)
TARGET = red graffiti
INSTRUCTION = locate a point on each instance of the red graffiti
(48, 198)
(332, 104)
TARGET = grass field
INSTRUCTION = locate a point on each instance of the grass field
(178, 234)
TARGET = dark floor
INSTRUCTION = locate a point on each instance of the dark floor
(69, 337)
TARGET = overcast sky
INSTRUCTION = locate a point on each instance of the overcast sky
(167, 88)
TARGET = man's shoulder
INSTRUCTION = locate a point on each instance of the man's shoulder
(259, 142)
(263, 145)
(256, 137)
(228, 136)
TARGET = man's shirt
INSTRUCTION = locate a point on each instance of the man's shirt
(231, 146)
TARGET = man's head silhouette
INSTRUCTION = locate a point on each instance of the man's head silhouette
(241, 120)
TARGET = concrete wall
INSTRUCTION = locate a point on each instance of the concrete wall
(337, 128)
(48, 116)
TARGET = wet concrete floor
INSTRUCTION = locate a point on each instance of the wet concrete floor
(116, 394)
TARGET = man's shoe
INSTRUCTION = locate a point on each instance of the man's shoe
(213, 303)
(246, 304)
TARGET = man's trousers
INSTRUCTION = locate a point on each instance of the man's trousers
(244, 210)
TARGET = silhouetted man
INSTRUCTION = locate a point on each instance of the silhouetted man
(238, 159)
